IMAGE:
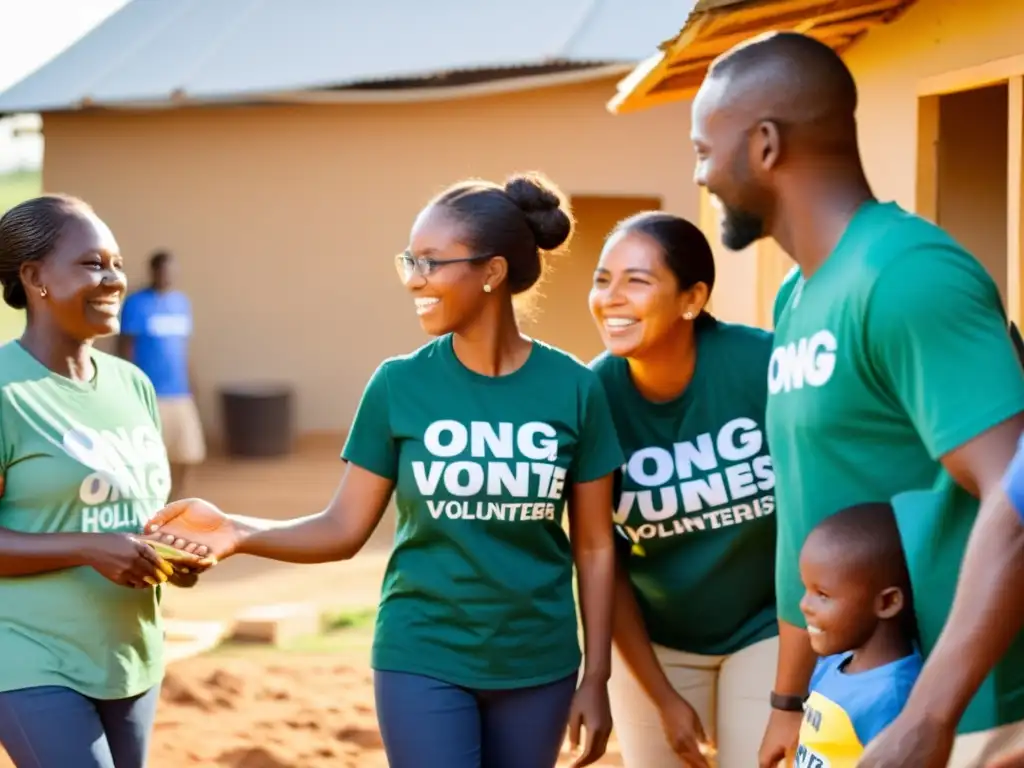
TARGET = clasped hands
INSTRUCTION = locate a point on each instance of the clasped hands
(191, 528)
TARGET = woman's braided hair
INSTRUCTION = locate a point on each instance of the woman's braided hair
(28, 232)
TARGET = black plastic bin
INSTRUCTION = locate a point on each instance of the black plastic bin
(257, 419)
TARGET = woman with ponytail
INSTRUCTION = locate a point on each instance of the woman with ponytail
(695, 627)
(482, 435)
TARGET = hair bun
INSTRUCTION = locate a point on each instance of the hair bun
(546, 209)
(14, 294)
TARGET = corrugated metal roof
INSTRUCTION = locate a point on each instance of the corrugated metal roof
(152, 50)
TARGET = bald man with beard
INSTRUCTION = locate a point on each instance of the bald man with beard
(892, 371)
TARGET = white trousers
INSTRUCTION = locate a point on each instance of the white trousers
(975, 750)
(729, 693)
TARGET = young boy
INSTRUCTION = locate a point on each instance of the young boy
(860, 618)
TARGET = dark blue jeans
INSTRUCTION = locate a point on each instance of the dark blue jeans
(54, 727)
(426, 723)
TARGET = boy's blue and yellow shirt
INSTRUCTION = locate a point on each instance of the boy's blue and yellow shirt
(846, 711)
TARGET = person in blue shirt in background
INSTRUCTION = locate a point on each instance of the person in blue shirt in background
(1013, 481)
(156, 326)
(860, 619)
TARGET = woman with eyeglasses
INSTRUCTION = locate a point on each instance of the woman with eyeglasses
(483, 435)
(695, 625)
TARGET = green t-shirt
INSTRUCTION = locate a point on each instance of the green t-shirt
(79, 458)
(478, 589)
(695, 498)
(894, 353)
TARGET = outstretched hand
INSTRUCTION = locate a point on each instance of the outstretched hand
(197, 527)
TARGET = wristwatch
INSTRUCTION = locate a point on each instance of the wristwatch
(787, 703)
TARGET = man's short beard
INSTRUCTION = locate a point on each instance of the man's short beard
(740, 230)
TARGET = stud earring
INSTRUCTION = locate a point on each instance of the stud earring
(688, 316)
(42, 292)
(487, 288)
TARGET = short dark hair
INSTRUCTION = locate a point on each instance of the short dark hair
(869, 534)
(158, 260)
(808, 62)
(29, 232)
(683, 247)
(870, 541)
(518, 221)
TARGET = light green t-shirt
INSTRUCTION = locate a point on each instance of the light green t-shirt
(894, 353)
(78, 458)
(696, 497)
(478, 589)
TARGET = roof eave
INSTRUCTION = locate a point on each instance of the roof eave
(367, 93)
(715, 26)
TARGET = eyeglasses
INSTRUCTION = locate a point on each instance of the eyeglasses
(408, 265)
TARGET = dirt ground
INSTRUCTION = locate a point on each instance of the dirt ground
(269, 712)
(272, 711)
(262, 708)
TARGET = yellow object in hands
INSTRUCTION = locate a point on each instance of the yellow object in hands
(172, 559)
(171, 555)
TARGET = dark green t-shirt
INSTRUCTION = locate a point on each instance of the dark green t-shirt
(894, 353)
(478, 590)
(695, 499)
(79, 457)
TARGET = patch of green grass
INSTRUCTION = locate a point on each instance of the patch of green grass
(345, 633)
(359, 618)
(12, 322)
(17, 187)
(342, 642)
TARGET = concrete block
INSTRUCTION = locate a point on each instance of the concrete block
(184, 639)
(277, 624)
